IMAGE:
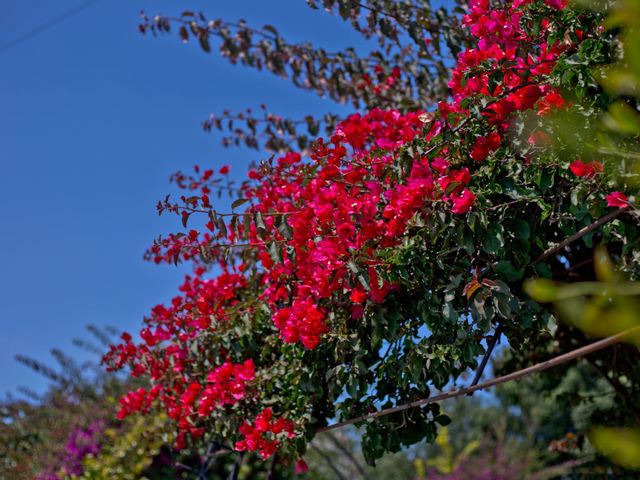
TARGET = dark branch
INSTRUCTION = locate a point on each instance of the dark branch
(539, 367)
(487, 355)
(579, 234)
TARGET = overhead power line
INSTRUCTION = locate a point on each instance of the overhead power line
(47, 25)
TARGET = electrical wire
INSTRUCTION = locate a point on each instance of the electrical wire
(47, 25)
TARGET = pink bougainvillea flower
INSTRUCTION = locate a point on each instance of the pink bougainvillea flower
(617, 199)
(260, 436)
(581, 169)
(539, 138)
(559, 4)
(301, 467)
(462, 202)
(549, 102)
(484, 146)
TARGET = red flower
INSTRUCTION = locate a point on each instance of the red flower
(302, 322)
(261, 437)
(358, 295)
(559, 4)
(301, 467)
(581, 169)
(224, 170)
(462, 202)
(550, 102)
(617, 199)
(526, 97)
(484, 146)
(539, 138)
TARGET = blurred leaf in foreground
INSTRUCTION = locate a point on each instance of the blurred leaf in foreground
(621, 445)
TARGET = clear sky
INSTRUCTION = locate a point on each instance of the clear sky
(94, 117)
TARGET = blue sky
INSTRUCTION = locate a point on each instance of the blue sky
(94, 118)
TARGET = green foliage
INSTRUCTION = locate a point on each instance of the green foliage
(128, 451)
(34, 431)
(610, 305)
(458, 276)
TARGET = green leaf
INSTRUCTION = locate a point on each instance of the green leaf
(623, 119)
(507, 271)
(271, 29)
(238, 202)
(543, 270)
(204, 43)
(274, 252)
(493, 240)
(443, 420)
(222, 226)
(521, 230)
(352, 387)
(450, 313)
(541, 290)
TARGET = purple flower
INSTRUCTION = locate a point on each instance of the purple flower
(80, 443)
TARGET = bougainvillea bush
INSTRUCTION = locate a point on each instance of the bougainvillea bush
(368, 271)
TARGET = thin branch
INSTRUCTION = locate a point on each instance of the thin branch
(539, 367)
(512, 202)
(377, 11)
(579, 234)
(231, 214)
(347, 454)
(271, 474)
(233, 475)
(327, 459)
(487, 355)
(204, 465)
(215, 27)
(184, 467)
(214, 450)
